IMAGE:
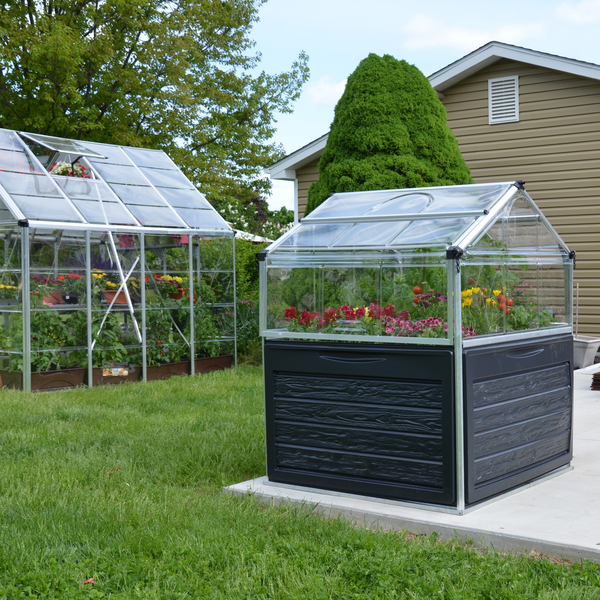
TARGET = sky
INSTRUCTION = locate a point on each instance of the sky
(338, 34)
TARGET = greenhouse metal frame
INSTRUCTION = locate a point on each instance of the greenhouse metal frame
(79, 216)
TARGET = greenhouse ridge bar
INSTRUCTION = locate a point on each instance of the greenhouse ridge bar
(114, 266)
(418, 345)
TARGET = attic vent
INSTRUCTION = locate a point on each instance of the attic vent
(503, 99)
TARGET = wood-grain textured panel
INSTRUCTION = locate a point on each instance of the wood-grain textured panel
(374, 468)
(521, 409)
(516, 386)
(371, 416)
(355, 439)
(490, 468)
(506, 438)
(398, 393)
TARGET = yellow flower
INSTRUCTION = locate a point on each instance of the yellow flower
(491, 301)
(476, 290)
(467, 302)
(496, 292)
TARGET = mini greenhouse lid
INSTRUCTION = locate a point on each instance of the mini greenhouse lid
(436, 217)
(121, 188)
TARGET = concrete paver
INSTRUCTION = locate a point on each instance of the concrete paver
(558, 516)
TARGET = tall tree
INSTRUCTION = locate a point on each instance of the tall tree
(389, 131)
(180, 75)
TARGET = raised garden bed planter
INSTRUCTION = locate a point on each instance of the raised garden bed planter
(45, 380)
(213, 363)
(166, 371)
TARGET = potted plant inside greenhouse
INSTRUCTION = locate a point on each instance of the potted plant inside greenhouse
(418, 345)
(101, 246)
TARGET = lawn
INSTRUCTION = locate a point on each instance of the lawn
(123, 485)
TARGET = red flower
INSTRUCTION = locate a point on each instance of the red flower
(147, 279)
(61, 277)
(157, 276)
(290, 314)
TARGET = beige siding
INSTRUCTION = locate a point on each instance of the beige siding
(554, 147)
(307, 175)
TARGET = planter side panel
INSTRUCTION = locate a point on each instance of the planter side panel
(359, 418)
(519, 400)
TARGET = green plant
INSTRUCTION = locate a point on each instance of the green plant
(389, 132)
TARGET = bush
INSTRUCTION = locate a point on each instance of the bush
(389, 132)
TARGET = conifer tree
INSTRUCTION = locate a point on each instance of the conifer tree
(389, 131)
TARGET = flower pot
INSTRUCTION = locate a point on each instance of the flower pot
(213, 363)
(168, 370)
(115, 375)
(584, 350)
(178, 295)
(53, 297)
(45, 380)
(110, 294)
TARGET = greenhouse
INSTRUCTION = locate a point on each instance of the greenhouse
(418, 345)
(114, 267)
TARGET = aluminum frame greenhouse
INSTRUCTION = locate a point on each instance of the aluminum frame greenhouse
(418, 345)
(115, 267)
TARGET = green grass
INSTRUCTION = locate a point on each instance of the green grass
(123, 484)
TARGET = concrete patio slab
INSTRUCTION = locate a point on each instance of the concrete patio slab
(558, 516)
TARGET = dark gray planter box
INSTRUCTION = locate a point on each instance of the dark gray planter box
(379, 420)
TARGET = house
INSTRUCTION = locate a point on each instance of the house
(518, 114)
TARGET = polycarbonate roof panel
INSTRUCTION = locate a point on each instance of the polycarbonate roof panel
(19, 162)
(131, 187)
(150, 158)
(409, 201)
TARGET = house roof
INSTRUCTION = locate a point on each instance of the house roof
(444, 78)
(494, 51)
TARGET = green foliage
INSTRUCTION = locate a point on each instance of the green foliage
(124, 484)
(389, 131)
(179, 76)
(250, 212)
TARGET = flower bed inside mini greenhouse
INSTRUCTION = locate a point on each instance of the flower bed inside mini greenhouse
(418, 345)
(115, 268)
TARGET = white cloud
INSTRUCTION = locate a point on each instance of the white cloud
(324, 92)
(586, 12)
(424, 33)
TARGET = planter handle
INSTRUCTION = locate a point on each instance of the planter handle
(526, 354)
(360, 361)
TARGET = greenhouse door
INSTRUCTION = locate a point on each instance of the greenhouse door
(375, 420)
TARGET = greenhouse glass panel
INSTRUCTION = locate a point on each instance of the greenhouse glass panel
(10, 141)
(150, 158)
(39, 208)
(156, 216)
(162, 177)
(85, 189)
(18, 161)
(119, 173)
(430, 233)
(199, 218)
(313, 236)
(184, 198)
(109, 213)
(28, 184)
(113, 154)
(138, 194)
